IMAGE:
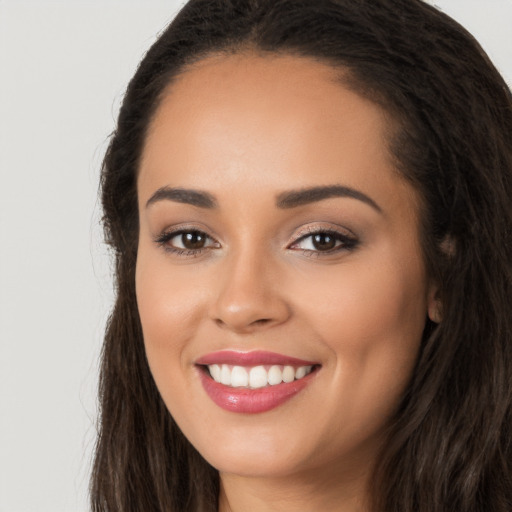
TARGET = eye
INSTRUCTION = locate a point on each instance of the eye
(191, 240)
(324, 241)
(187, 242)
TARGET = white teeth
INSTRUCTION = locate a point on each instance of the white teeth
(288, 374)
(225, 375)
(275, 375)
(257, 376)
(239, 377)
(301, 372)
(215, 372)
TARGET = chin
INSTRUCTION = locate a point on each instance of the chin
(261, 453)
(264, 464)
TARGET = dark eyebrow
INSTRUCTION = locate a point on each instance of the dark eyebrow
(294, 198)
(183, 195)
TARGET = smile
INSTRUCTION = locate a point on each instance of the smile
(253, 382)
(257, 376)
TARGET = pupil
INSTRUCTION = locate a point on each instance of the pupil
(324, 242)
(193, 240)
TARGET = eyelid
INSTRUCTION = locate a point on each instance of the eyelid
(312, 229)
(345, 238)
(165, 236)
(185, 228)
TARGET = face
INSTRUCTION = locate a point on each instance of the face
(280, 281)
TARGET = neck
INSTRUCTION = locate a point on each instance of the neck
(314, 492)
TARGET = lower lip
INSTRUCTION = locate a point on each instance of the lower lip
(252, 401)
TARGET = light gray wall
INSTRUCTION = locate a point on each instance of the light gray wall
(63, 69)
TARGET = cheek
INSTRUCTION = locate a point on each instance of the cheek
(169, 305)
(372, 319)
(383, 292)
(375, 305)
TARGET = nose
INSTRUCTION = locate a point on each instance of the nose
(249, 296)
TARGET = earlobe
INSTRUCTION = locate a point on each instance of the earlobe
(435, 306)
(435, 312)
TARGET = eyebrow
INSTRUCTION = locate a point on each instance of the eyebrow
(285, 200)
(294, 198)
(183, 195)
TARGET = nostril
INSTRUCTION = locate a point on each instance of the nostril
(261, 321)
(255, 323)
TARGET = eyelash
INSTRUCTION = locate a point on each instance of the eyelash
(343, 242)
(165, 238)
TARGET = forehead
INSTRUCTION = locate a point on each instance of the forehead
(284, 120)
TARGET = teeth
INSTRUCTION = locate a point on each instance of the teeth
(288, 374)
(225, 375)
(275, 375)
(301, 372)
(257, 376)
(239, 377)
(215, 372)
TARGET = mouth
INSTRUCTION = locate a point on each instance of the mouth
(253, 382)
(256, 377)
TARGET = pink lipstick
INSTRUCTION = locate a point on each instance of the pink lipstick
(253, 382)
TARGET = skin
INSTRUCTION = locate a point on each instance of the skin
(245, 129)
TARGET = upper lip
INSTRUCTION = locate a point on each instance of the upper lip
(252, 358)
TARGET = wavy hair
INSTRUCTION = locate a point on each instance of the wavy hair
(449, 444)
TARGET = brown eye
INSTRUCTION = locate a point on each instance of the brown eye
(193, 240)
(323, 241)
(187, 242)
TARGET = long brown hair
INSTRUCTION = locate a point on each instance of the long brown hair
(449, 445)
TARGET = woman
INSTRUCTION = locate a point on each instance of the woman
(309, 204)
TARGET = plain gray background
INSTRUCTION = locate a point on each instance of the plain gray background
(63, 69)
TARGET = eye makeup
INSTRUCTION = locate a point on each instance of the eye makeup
(319, 241)
(186, 241)
(313, 241)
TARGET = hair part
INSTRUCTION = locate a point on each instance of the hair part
(448, 446)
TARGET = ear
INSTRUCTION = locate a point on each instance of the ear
(434, 304)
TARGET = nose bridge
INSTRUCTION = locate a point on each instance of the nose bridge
(248, 296)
